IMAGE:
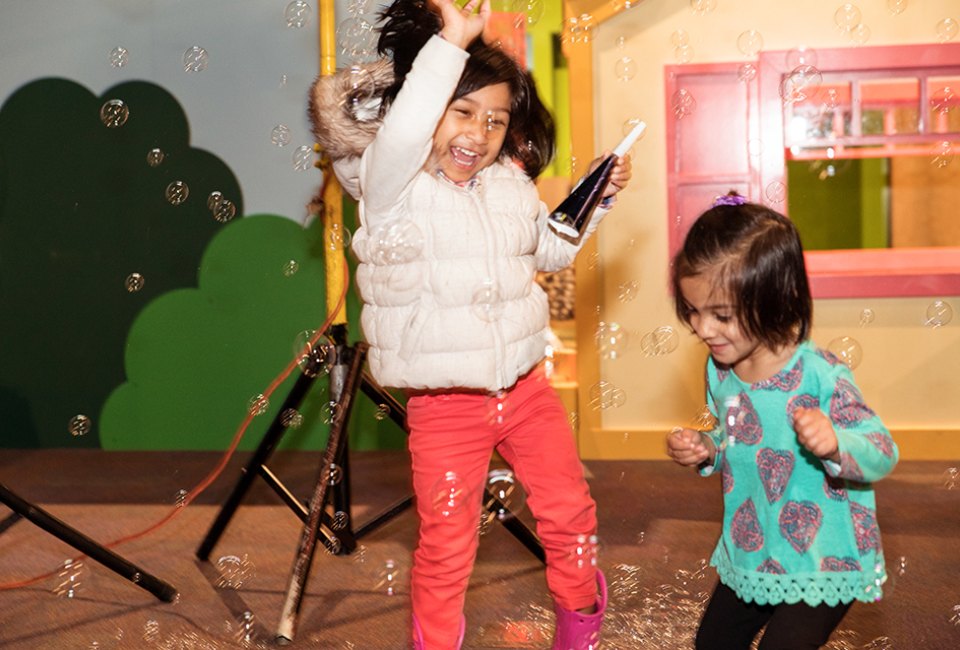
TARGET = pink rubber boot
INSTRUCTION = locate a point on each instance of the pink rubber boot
(576, 631)
(418, 643)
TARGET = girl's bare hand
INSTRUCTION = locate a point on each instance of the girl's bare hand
(687, 447)
(462, 25)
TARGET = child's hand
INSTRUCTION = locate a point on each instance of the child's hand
(815, 432)
(688, 447)
(461, 25)
(622, 172)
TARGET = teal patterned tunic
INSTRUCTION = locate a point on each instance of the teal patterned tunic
(797, 528)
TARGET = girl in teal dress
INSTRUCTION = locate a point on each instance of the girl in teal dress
(795, 444)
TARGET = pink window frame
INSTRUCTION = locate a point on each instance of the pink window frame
(837, 273)
(860, 273)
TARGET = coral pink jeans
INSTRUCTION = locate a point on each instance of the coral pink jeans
(452, 437)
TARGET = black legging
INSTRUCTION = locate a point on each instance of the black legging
(731, 624)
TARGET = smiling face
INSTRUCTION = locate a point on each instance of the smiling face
(713, 317)
(471, 133)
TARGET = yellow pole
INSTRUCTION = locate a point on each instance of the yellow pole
(333, 232)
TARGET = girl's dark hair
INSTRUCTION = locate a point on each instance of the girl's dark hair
(407, 25)
(756, 257)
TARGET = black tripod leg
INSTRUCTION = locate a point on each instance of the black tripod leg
(252, 469)
(343, 382)
(318, 502)
(162, 590)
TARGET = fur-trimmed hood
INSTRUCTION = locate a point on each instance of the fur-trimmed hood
(344, 108)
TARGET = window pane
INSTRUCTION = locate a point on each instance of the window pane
(889, 106)
(944, 99)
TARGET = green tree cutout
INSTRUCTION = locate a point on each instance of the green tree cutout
(196, 357)
(81, 210)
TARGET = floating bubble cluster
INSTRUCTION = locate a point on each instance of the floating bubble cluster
(663, 340)
(580, 30)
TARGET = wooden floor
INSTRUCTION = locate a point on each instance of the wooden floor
(658, 524)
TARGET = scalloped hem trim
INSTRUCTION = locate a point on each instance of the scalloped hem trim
(826, 587)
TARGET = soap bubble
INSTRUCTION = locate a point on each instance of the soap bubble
(939, 313)
(801, 55)
(896, 7)
(487, 302)
(801, 84)
(396, 242)
(80, 425)
(680, 38)
(683, 53)
(360, 99)
(750, 42)
(297, 14)
(134, 282)
(776, 192)
(119, 57)
(701, 7)
(942, 154)
(847, 349)
(947, 29)
(604, 395)
(625, 68)
(291, 418)
(155, 157)
(177, 192)
(332, 474)
(388, 578)
(448, 495)
(280, 135)
(859, 34)
(70, 581)
(611, 340)
(195, 59)
(532, 10)
(683, 103)
(847, 16)
(747, 72)
(234, 571)
(258, 404)
(585, 552)
(943, 100)
(114, 113)
(302, 158)
(502, 484)
(663, 340)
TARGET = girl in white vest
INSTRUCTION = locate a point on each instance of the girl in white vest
(439, 144)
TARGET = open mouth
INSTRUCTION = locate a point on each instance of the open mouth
(464, 158)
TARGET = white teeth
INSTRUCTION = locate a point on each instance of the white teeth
(467, 152)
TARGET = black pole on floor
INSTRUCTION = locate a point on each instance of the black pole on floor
(162, 590)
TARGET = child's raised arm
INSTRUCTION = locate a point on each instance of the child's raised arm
(461, 26)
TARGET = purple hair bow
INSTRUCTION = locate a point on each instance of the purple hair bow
(729, 199)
